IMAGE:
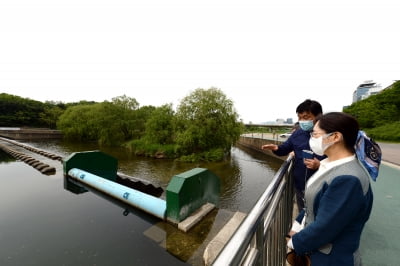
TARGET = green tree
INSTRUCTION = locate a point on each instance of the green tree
(50, 115)
(127, 109)
(160, 125)
(206, 120)
(18, 111)
(126, 102)
(139, 119)
(101, 122)
(108, 123)
(75, 123)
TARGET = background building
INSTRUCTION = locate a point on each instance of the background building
(366, 89)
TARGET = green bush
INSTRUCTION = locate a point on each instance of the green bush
(190, 158)
(207, 156)
(213, 155)
(387, 132)
(143, 147)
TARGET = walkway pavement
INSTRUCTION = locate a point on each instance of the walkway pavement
(380, 243)
(390, 152)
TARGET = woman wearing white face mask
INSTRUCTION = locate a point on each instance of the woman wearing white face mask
(338, 196)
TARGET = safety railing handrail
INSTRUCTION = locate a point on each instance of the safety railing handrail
(254, 242)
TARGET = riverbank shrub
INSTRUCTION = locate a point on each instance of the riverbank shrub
(171, 151)
(208, 156)
(204, 128)
(142, 148)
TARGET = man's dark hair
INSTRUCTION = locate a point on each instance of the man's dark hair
(311, 106)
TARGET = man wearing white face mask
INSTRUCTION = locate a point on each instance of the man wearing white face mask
(307, 112)
(338, 197)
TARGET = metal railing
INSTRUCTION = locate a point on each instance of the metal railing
(260, 239)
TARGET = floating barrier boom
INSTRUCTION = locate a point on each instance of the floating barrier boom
(145, 202)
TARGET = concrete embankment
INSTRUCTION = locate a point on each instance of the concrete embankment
(390, 151)
(30, 133)
(256, 140)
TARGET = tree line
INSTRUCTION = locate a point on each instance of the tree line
(204, 126)
(16, 111)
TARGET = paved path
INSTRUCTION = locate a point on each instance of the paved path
(380, 245)
(390, 152)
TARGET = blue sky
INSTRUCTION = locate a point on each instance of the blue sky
(267, 56)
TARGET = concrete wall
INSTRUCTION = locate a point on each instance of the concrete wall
(255, 143)
(26, 134)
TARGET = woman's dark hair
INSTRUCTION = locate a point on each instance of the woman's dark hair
(311, 106)
(343, 123)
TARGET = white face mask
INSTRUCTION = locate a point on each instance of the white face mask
(317, 146)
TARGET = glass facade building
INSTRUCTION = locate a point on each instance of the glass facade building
(365, 89)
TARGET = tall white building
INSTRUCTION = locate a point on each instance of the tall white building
(366, 89)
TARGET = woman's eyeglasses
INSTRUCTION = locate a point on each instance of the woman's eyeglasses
(316, 133)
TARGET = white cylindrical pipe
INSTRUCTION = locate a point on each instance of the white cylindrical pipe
(145, 202)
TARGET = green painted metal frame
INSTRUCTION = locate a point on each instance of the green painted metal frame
(95, 162)
(190, 190)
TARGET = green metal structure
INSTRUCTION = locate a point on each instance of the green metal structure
(95, 162)
(185, 193)
(188, 191)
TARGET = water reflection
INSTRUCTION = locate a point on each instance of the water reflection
(41, 223)
(180, 244)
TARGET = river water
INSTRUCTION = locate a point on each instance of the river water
(42, 223)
